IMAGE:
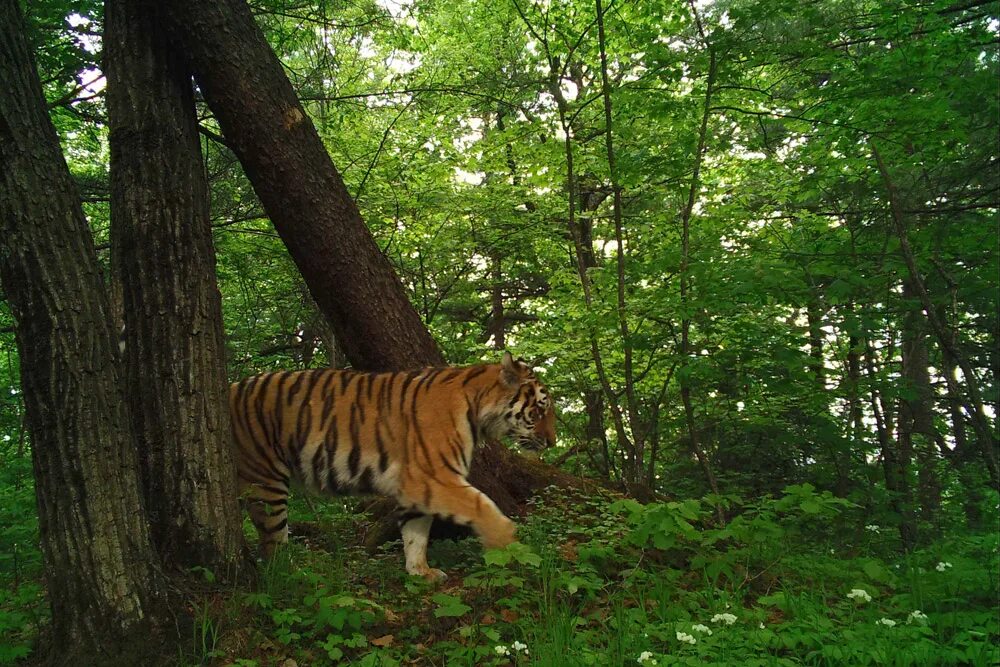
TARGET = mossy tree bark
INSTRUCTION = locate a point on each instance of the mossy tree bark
(163, 253)
(99, 563)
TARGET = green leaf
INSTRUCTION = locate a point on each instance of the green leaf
(524, 554)
(517, 551)
(497, 557)
(449, 606)
(876, 571)
(810, 506)
(774, 600)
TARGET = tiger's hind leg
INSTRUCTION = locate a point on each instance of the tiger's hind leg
(267, 505)
(415, 528)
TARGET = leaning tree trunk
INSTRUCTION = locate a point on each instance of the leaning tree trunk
(99, 564)
(352, 282)
(302, 192)
(163, 253)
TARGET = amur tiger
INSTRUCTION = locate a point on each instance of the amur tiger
(408, 435)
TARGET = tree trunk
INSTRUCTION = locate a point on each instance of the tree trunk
(895, 462)
(497, 326)
(855, 413)
(301, 191)
(590, 197)
(162, 250)
(99, 563)
(916, 416)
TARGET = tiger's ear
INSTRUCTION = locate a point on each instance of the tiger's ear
(508, 369)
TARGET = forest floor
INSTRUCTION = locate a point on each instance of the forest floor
(786, 581)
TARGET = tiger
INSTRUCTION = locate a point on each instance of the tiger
(408, 435)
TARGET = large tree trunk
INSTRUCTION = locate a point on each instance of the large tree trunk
(162, 250)
(99, 564)
(304, 196)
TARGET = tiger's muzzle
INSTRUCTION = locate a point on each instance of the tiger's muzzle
(543, 433)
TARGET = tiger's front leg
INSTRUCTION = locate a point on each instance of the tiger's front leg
(454, 499)
(415, 527)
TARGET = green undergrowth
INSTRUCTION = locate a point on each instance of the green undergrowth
(798, 579)
(22, 599)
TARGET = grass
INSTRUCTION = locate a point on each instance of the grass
(599, 583)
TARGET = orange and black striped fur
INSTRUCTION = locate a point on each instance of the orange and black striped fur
(408, 435)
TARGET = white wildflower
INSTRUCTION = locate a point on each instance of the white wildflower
(502, 650)
(872, 528)
(518, 646)
(646, 658)
(6, 438)
(916, 615)
(726, 618)
(887, 622)
(685, 637)
(942, 566)
(704, 629)
(860, 594)
(762, 625)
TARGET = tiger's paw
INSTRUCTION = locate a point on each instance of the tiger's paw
(431, 574)
(500, 538)
(434, 575)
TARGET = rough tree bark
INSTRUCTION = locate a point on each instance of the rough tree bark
(303, 194)
(99, 564)
(163, 253)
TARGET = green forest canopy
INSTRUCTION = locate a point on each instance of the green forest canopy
(761, 264)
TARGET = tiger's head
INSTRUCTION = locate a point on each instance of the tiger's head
(529, 416)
